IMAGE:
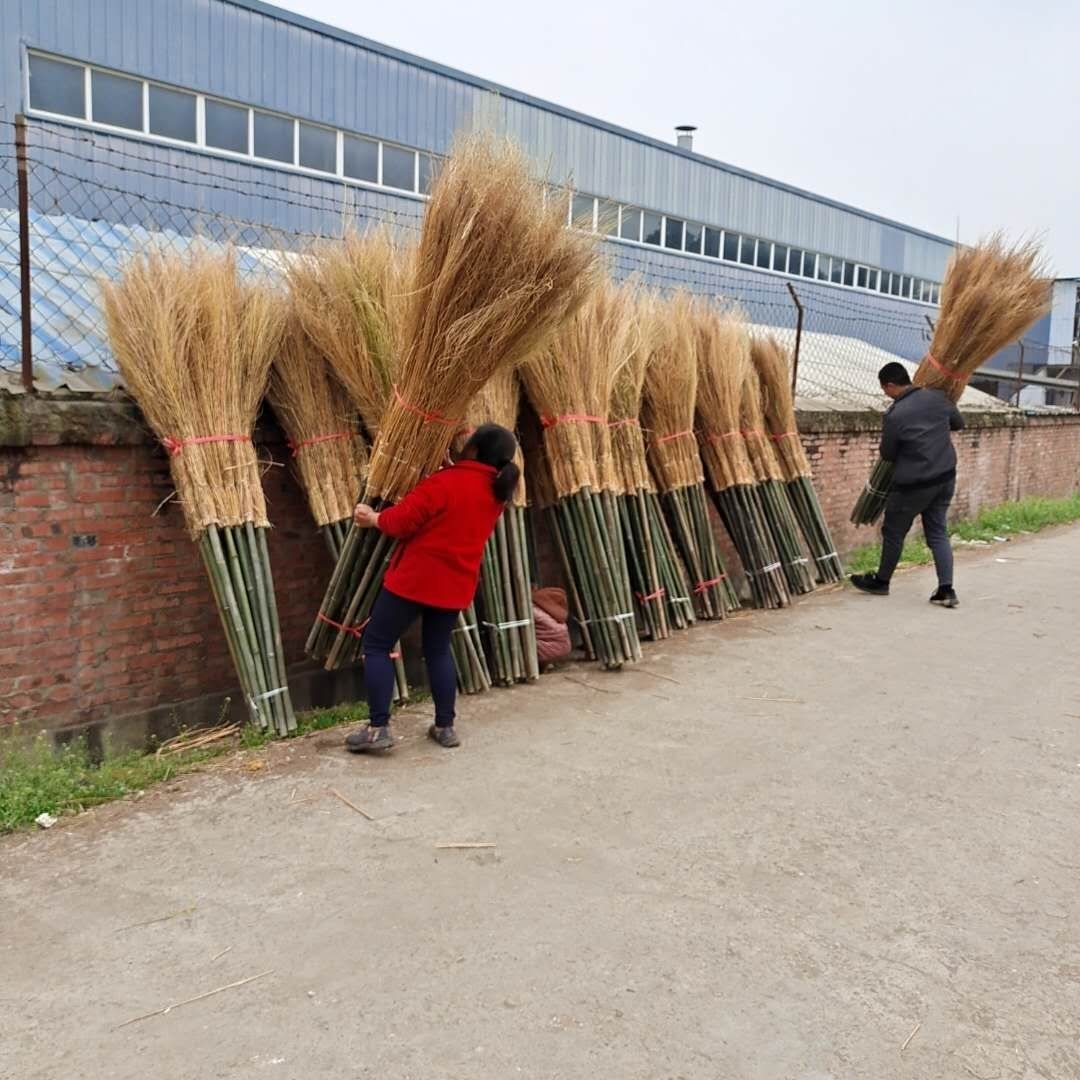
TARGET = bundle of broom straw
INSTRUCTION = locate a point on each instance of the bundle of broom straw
(569, 385)
(495, 274)
(657, 575)
(194, 348)
(770, 360)
(346, 297)
(328, 450)
(505, 595)
(991, 294)
(671, 380)
(724, 360)
(770, 485)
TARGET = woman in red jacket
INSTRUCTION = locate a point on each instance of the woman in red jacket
(441, 527)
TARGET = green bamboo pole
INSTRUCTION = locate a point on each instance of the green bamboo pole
(275, 625)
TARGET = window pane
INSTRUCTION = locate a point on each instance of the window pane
(607, 217)
(825, 263)
(861, 278)
(764, 254)
(226, 127)
(779, 257)
(673, 230)
(318, 148)
(894, 287)
(429, 169)
(398, 167)
(273, 137)
(883, 281)
(849, 273)
(630, 224)
(362, 159)
(794, 264)
(57, 87)
(693, 237)
(872, 279)
(905, 286)
(117, 101)
(747, 250)
(935, 297)
(810, 260)
(581, 212)
(731, 246)
(837, 271)
(172, 114)
(712, 243)
(651, 228)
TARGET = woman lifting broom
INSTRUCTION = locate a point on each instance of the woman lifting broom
(441, 527)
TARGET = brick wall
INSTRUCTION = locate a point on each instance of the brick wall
(106, 619)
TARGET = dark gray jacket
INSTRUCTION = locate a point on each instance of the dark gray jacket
(915, 436)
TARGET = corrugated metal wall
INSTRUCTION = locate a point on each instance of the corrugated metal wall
(233, 50)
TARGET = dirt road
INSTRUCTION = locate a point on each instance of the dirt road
(840, 841)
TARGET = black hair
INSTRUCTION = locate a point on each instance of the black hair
(494, 445)
(894, 374)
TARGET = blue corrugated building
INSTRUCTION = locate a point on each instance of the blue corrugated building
(232, 118)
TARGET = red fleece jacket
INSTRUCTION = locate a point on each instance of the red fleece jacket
(442, 525)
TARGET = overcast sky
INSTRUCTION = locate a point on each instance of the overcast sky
(926, 112)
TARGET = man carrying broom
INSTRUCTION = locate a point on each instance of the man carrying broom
(915, 437)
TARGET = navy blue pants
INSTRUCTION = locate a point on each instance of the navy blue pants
(391, 616)
(903, 507)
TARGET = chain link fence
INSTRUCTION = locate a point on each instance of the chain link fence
(89, 200)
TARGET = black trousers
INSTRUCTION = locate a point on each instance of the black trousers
(901, 510)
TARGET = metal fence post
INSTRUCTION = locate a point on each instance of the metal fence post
(1020, 373)
(23, 178)
(798, 338)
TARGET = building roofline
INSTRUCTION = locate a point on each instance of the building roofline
(326, 30)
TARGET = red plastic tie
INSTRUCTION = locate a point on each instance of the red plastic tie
(646, 597)
(624, 423)
(571, 418)
(944, 370)
(701, 586)
(428, 417)
(355, 631)
(676, 435)
(174, 446)
(785, 435)
(297, 447)
(754, 433)
(714, 438)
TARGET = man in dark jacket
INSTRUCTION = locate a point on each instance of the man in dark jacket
(915, 437)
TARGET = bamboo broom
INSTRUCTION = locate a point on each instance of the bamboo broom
(991, 294)
(671, 378)
(495, 274)
(724, 357)
(505, 575)
(194, 348)
(770, 484)
(657, 574)
(770, 360)
(569, 385)
(346, 298)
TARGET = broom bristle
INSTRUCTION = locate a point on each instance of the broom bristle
(724, 351)
(991, 294)
(627, 437)
(770, 360)
(496, 273)
(497, 403)
(346, 295)
(313, 408)
(194, 347)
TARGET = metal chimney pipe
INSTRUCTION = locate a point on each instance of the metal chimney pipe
(684, 136)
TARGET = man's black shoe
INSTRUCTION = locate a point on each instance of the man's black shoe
(870, 583)
(945, 596)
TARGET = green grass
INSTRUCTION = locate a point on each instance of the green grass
(1008, 519)
(35, 778)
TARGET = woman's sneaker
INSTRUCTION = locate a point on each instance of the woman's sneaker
(369, 739)
(444, 736)
(945, 596)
